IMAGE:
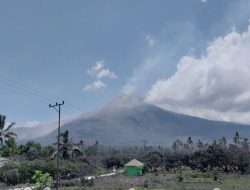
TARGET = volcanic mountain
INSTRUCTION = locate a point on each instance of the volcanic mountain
(127, 120)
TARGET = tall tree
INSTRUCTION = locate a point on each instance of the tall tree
(236, 138)
(67, 148)
(5, 133)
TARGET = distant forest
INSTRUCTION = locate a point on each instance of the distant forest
(78, 159)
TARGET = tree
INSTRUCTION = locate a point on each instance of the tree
(92, 150)
(245, 144)
(64, 144)
(190, 141)
(10, 148)
(5, 133)
(154, 160)
(177, 145)
(200, 144)
(67, 148)
(222, 142)
(236, 138)
(31, 150)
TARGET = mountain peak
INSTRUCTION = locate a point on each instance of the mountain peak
(125, 101)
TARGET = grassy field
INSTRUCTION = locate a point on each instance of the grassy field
(170, 181)
(191, 180)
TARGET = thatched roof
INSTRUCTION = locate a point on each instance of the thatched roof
(134, 162)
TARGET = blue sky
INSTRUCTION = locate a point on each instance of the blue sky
(56, 46)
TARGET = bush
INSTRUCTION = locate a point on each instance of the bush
(10, 174)
(23, 172)
(28, 168)
(11, 177)
(70, 183)
(180, 178)
(111, 162)
(145, 184)
(87, 182)
(180, 175)
(42, 180)
(72, 168)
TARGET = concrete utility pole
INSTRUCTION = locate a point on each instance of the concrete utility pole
(59, 123)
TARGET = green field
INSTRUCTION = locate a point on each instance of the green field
(169, 181)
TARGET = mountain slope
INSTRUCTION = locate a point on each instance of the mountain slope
(129, 121)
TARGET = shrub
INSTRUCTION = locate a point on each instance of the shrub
(11, 177)
(87, 182)
(111, 162)
(10, 174)
(72, 168)
(24, 171)
(42, 180)
(180, 178)
(70, 183)
(146, 183)
(180, 175)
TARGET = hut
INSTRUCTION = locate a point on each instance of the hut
(134, 168)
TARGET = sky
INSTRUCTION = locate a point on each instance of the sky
(187, 56)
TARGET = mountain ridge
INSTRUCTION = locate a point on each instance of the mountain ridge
(127, 121)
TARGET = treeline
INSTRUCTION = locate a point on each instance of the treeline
(229, 157)
(78, 159)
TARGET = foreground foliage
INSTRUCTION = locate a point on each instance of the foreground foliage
(42, 180)
(78, 160)
(15, 173)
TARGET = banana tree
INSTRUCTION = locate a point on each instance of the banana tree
(5, 132)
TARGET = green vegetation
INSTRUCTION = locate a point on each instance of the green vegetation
(42, 180)
(184, 165)
(170, 182)
(87, 182)
(5, 133)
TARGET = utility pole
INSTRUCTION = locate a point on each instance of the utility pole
(58, 139)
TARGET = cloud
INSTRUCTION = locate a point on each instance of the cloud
(203, 1)
(31, 123)
(160, 60)
(146, 73)
(94, 86)
(214, 85)
(150, 40)
(99, 71)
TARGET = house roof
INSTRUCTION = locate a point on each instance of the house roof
(134, 162)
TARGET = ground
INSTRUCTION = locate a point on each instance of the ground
(192, 180)
(169, 181)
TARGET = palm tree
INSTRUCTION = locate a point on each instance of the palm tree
(67, 148)
(5, 133)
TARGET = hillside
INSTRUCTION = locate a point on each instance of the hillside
(127, 120)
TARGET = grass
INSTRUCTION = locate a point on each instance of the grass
(192, 180)
(170, 182)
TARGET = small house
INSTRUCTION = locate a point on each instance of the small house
(134, 168)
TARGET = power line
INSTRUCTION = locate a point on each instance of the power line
(35, 94)
(20, 86)
(23, 94)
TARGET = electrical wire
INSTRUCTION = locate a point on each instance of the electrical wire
(35, 94)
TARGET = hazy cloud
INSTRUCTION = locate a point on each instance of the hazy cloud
(160, 60)
(31, 123)
(150, 40)
(214, 85)
(94, 86)
(99, 71)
